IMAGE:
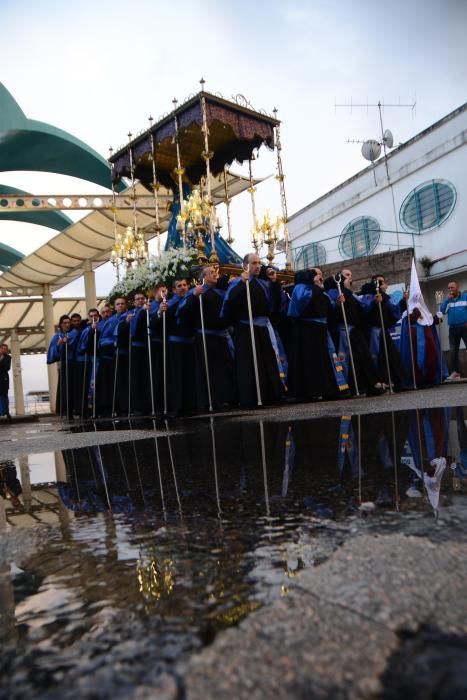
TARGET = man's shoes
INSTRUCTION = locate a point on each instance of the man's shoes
(453, 376)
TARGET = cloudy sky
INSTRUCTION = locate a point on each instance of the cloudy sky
(99, 69)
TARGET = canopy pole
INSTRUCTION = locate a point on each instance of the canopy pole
(155, 189)
(252, 190)
(179, 171)
(280, 177)
(207, 155)
(227, 201)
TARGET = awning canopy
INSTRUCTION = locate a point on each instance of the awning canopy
(26, 317)
(87, 243)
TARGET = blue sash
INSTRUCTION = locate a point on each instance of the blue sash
(220, 334)
(338, 367)
(264, 322)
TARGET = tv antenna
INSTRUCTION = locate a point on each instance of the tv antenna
(371, 148)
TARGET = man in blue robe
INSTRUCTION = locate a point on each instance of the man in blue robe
(264, 297)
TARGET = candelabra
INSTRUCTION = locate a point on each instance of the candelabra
(128, 248)
(197, 222)
(267, 232)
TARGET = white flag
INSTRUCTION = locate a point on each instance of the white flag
(416, 299)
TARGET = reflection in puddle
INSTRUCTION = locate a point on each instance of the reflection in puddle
(191, 532)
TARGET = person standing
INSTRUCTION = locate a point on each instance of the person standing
(456, 308)
(374, 294)
(263, 297)
(61, 349)
(315, 372)
(5, 365)
(210, 292)
(180, 357)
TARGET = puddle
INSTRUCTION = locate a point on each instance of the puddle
(171, 540)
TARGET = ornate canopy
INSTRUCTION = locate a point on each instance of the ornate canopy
(235, 130)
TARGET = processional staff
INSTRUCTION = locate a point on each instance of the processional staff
(410, 342)
(383, 335)
(439, 296)
(94, 370)
(205, 349)
(252, 333)
(148, 330)
(338, 280)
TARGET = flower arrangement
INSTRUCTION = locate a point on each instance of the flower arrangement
(153, 271)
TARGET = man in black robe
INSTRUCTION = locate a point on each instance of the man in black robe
(5, 364)
(368, 379)
(375, 296)
(134, 328)
(209, 297)
(180, 356)
(264, 297)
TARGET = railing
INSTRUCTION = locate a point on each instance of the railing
(326, 250)
(32, 406)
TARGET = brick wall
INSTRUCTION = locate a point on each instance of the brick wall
(394, 265)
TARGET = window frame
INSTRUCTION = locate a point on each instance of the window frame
(414, 193)
(347, 230)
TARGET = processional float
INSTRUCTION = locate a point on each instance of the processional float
(187, 152)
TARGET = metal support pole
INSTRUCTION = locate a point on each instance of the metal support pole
(253, 343)
(205, 351)
(383, 335)
(338, 280)
(89, 285)
(48, 310)
(17, 375)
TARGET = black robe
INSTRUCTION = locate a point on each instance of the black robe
(311, 372)
(218, 350)
(367, 373)
(264, 297)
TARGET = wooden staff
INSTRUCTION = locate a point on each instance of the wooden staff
(383, 334)
(338, 280)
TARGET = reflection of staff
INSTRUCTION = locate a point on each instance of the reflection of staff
(338, 280)
(394, 449)
(263, 460)
(172, 463)
(158, 460)
(439, 295)
(359, 448)
(383, 333)
(205, 350)
(252, 333)
(214, 461)
(153, 410)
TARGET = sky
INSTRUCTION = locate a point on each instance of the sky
(99, 69)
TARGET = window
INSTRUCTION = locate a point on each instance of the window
(311, 255)
(359, 238)
(427, 206)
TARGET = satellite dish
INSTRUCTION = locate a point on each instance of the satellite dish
(371, 150)
(388, 138)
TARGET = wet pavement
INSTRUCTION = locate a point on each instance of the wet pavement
(158, 566)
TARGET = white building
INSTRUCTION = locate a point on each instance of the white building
(416, 198)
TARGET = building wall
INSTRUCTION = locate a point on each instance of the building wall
(440, 152)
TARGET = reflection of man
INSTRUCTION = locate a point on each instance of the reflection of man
(5, 364)
(10, 487)
(456, 307)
